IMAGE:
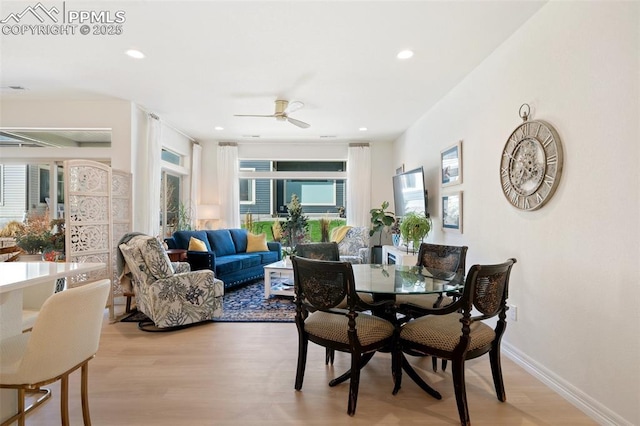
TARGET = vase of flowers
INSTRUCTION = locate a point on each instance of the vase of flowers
(294, 229)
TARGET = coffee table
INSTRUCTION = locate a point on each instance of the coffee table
(279, 269)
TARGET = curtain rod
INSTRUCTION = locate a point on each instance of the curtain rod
(164, 123)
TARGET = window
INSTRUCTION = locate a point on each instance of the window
(320, 186)
(247, 189)
(45, 184)
(1, 184)
(170, 204)
(312, 192)
(171, 157)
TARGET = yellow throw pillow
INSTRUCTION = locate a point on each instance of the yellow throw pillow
(256, 242)
(196, 245)
(338, 233)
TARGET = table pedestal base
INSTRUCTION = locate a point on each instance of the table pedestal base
(416, 378)
(396, 377)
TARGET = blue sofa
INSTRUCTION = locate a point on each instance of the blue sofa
(226, 254)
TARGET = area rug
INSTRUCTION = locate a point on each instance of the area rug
(246, 304)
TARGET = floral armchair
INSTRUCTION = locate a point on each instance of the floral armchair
(168, 293)
(354, 247)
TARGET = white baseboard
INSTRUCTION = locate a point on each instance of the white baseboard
(575, 396)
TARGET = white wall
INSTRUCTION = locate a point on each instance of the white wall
(577, 278)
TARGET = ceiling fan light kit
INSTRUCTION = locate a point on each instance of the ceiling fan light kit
(283, 109)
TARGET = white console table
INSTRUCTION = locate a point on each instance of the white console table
(398, 255)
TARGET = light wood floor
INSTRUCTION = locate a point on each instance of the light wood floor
(243, 374)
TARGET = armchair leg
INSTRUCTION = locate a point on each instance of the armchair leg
(45, 393)
(329, 356)
(354, 383)
(496, 372)
(396, 370)
(64, 399)
(21, 410)
(460, 391)
(302, 361)
(84, 393)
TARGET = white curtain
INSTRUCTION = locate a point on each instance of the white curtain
(359, 185)
(196, 167)
(147, 179)
(228, 185)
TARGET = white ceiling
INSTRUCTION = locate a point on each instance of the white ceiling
(208, 60)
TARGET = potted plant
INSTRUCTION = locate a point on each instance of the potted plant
(294, 229)
(414, 227)
(381, 219)
(35, 237)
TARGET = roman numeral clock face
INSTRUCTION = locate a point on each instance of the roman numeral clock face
(531, 165)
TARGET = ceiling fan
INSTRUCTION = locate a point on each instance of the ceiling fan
(283, 109)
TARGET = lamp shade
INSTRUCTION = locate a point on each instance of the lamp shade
(208, 211)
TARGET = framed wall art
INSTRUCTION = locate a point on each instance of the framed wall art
(451, 165)
(452, 212)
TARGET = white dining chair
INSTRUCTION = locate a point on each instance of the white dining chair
(32, 300)
(64, 338)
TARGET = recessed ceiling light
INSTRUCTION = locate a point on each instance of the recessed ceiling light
(363, 129)
(218, 128)
(405, 54)
(135, 53)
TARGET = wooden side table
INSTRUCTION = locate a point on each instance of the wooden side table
(177, 255)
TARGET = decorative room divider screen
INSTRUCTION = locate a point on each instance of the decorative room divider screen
(97, 211)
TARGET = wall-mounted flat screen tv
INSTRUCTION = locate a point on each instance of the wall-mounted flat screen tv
(409, 194)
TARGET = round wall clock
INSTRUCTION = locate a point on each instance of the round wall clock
(531, 163)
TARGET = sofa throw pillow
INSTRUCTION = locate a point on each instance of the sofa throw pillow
(256, 243)
(182, 238)
(338, 233)
(196, 245)
(156, 258)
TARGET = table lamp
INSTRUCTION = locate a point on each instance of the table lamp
(207, 213)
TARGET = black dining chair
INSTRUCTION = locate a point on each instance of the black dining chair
(453, 333)
(321, 251)
(320, 287)
(318, 251)
(441, 257)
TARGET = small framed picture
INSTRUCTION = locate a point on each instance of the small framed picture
(452, 212)
(451, 165)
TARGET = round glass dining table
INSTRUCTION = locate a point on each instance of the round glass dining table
(385, 282)
(391, 280)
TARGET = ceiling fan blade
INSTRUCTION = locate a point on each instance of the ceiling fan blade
(293, 106)
(298, 123)
(252, 115)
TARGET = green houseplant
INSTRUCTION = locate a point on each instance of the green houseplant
(414, 227)
(294, 229)
(381, 219)
(35, 237)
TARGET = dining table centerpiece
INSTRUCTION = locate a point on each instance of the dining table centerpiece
(295, 228)
(413, 228)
